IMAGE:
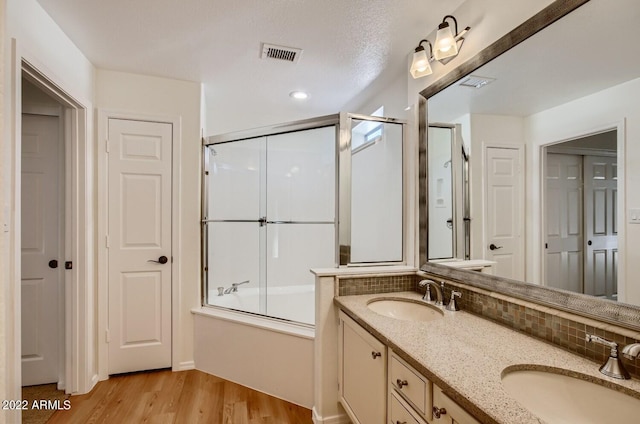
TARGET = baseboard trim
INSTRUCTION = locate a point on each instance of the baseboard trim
(334, 419)
(186, 365)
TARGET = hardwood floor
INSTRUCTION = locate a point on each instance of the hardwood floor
(163, 397)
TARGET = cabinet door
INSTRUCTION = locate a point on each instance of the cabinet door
(363, 374)
(450, 412)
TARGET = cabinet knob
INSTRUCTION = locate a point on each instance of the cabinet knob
(438, 412)
(401, 383)
(375, 355)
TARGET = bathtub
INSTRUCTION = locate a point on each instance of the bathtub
(293, 303)
(273, 356)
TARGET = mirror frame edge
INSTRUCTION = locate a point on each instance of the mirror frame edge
(619, 314)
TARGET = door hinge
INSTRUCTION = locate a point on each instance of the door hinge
(106, 146)
(107, 338)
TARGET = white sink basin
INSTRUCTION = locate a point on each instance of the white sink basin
(558, 398)
(405, 310)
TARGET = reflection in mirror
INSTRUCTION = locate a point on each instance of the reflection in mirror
(580, 194)
(448, 193)
(532, 102)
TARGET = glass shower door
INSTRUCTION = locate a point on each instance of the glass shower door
(301, 210)
(235, 225)
(271, 208)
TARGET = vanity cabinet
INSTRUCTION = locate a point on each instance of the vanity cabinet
(452, 413)
(416, 400)
(405, 397)
(362, 373)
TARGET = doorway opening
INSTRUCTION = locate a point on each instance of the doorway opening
(45, 100)
(43, 231)
(581, 236)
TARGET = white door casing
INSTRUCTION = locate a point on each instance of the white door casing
(601, 225)
(504, 210)
(139, 237)
(564, 235)
(41, 211)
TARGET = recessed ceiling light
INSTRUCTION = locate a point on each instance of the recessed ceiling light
(298, 95)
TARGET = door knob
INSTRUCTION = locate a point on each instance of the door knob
(161, 260)
(53, 264)
(494, 247)
(589, 242)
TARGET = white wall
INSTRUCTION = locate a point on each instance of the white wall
(161, 97)
(393, 97)
(30, 34)
(618, 106)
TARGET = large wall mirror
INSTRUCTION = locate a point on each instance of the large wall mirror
(552, 128)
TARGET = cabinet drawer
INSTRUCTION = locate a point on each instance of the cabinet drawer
(399, 413)
(413, 386)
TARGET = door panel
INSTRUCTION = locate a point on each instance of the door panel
(40, 238)
(601, 226)
(139, 241)
(564, 240)
(504, 212)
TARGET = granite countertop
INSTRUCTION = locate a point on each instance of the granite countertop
(465, 356)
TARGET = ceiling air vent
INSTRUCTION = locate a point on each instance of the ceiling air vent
(287, 54)
(475, 81)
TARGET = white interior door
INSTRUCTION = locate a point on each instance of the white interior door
(504, 242)
(601, 229)
(139, 245)
(564, 237)
(41, 231)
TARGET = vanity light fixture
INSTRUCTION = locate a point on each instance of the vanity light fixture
(447, 43)
(420, 66)
(446, 47)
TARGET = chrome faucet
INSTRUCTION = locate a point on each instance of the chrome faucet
(631, 351)
(234, 287)
(453, 306)
(613, 366)
(427, 295)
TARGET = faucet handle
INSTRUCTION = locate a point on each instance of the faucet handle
(427, 295)
(453, 305)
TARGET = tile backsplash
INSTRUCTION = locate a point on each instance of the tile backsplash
(555, 326)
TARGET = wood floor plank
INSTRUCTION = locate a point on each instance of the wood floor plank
(165, 397)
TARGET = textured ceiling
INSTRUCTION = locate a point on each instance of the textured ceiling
(348, 45)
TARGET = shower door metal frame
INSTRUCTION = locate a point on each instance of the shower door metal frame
(342, 122)
(460, 192)
(303, 125)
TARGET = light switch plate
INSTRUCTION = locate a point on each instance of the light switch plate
(634, 216)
